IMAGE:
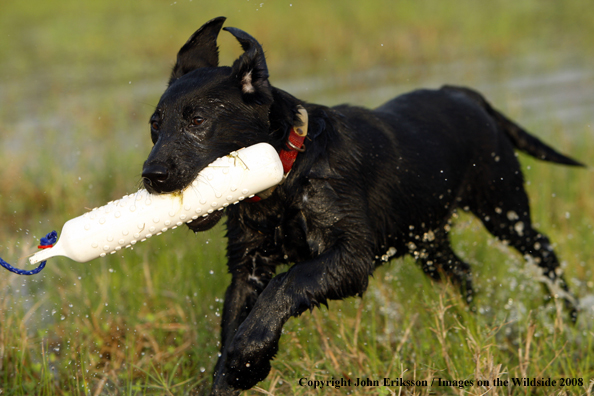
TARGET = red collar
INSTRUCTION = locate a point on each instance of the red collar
(293, 146)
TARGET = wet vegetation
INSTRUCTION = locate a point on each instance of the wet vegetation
(78, 81)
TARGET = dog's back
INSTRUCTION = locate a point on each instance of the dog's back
(450, 149)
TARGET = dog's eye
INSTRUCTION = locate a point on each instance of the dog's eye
(155, 126)
(197, 121)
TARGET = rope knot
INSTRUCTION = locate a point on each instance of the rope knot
(46, 242)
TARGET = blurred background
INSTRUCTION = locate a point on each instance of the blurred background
(79, 80)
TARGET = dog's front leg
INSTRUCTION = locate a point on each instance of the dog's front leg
(336, 274)
(240, 297)
(252, 263)
(239, 300)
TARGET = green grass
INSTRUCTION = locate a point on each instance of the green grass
(78, 81)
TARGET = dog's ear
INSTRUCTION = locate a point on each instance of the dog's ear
(200, 50)
(250, 68)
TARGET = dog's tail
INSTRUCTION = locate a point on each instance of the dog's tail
(521, 139)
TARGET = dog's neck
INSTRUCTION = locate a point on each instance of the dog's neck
(283, 116)
(292, 147)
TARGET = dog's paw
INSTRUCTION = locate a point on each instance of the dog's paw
(222, 388)
(247, 375)
(248, 360)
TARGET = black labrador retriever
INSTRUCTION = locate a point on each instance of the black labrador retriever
(365, 186)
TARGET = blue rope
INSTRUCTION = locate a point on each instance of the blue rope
(47, 240)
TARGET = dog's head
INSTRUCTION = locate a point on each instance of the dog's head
(207, 111)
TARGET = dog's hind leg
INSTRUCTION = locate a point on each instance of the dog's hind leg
(438, 260)
(504, 210)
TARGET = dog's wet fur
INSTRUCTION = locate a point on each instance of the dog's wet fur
(372, 185)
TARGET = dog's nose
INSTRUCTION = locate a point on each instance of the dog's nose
(155, 174)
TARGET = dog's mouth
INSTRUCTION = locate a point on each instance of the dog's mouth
(203, 223)
(156, 180)
(156, 188)
(170, 176)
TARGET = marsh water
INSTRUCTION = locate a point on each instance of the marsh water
(556, 90)
(550, 88)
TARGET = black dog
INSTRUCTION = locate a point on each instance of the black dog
(370, 185)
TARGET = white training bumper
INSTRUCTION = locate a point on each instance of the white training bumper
(137, 217)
